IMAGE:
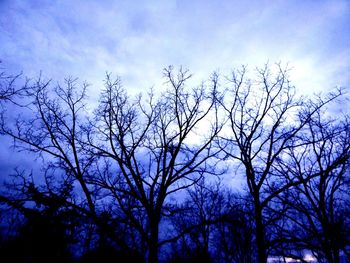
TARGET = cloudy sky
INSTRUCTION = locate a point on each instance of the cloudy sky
(137, 39)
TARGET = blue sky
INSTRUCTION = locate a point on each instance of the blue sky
(137, 39)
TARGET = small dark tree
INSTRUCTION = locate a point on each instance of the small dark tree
(214, 225)
(195, 224)
(234, 234)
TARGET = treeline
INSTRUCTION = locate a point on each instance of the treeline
(154, 177)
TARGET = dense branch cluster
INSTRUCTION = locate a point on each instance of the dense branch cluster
(151, 178)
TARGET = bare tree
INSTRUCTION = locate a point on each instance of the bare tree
(158, 148)
(131, 158)
(50, 126)
(215, 226)
(319, 205)
(263, 122)
(233, 235)
(203, 209)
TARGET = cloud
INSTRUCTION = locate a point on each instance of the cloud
(136, 39)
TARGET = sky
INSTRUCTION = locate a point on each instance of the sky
(137, 39)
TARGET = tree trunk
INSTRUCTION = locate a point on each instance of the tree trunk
(336, 256)
(330, 246)
(153, 242)
(333, 255)
(260, 232)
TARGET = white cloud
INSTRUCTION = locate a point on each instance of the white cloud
(136, 39)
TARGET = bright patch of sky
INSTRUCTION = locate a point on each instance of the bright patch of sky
(137, 39)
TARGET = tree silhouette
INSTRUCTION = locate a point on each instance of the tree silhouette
(203, 209)
(134, 154)
(263, 122)
(136, 178)
(318, 206)
(234, 235)
(50, 126)
(156, 147)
